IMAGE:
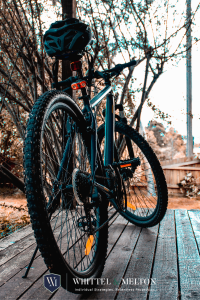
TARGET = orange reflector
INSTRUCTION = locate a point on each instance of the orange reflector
(76, 65)
(89, 245)
(124, 166)
(78, 85)
(131, 205)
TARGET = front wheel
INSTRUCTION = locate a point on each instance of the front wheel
(56, 143)
(144, 195)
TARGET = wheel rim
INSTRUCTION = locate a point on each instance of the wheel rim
(68, 218)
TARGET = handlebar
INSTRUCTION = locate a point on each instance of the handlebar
(110, 72)
(117, 69)
(120, 67)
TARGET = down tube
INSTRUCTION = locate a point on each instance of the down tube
(109, 131)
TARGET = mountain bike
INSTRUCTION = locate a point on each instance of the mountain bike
(74, 169)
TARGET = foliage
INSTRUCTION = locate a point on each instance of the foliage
(10, 221)
(25, 72)
(166, 144)
(127, 29)
(188, 186)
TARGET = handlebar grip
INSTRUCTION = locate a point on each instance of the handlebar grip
(120, 67)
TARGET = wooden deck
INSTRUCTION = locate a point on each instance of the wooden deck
(168, 254)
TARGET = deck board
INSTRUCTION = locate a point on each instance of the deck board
(15, 237)
(168, 253)
(188, 257)
(195, 222)
(165, 264)
(139, 268)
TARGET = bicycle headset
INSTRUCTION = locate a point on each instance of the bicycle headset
(67, 37)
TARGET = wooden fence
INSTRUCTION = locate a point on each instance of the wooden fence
(175, 170)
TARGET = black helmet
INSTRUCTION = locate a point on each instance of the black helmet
(67, 37)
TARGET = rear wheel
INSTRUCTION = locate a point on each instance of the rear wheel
(55, 145)
(144, 194)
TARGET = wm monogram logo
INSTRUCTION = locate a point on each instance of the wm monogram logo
(52, 282)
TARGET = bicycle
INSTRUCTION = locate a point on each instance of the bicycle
(72, 170)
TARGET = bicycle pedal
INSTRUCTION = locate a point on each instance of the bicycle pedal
(127, 163)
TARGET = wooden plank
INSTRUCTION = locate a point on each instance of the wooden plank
(19, 261)
(173, 186)
(171, 176)
(166, 172)
(20, 245)
(13, 266)
(165, 266)
(16, 248)
(192, 162)
(182, 164)
(188, 257)
(177, 161)
(16, 260)
(17, 286)
(15, 237)
(195, 221)
(135, 282)
(178, 179)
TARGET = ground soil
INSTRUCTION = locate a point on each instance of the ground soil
(183, 203)
(12, 200)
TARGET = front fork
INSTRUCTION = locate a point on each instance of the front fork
(53, 201)
(109, 131)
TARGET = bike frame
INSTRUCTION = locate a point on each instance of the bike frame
(90, 118)
(109, 124)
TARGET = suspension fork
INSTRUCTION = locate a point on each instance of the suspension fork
(109, 131)
(62, 168)
(66, 150)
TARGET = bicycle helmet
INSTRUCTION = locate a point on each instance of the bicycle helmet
(67, 37)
